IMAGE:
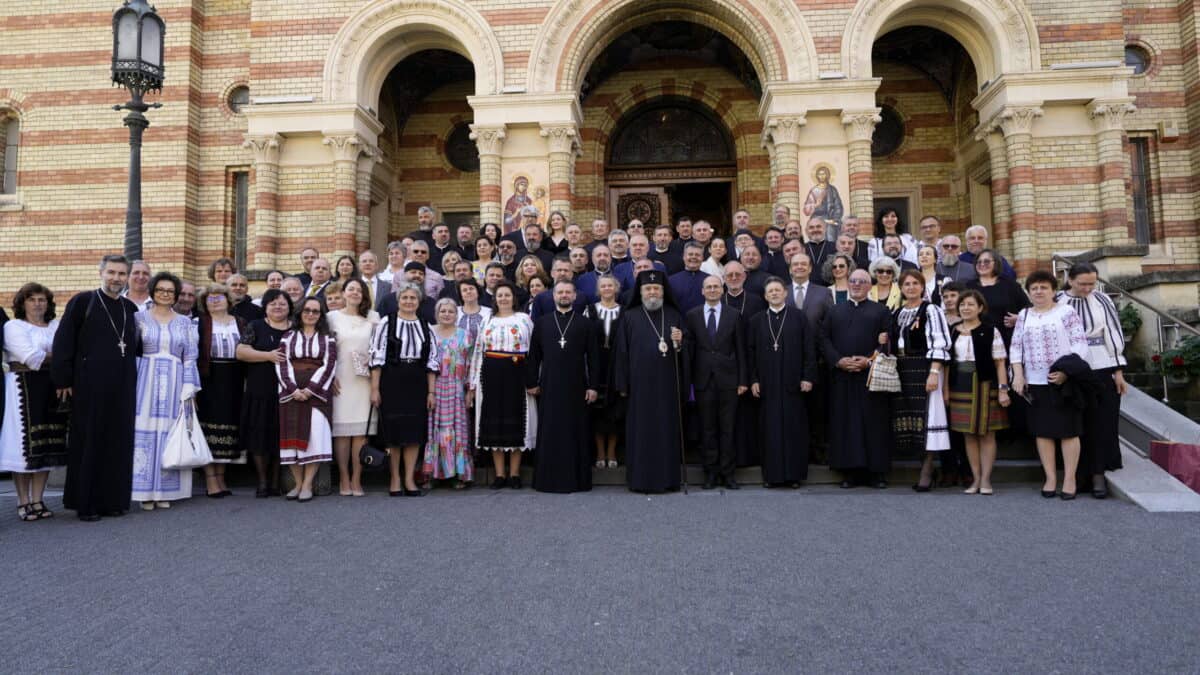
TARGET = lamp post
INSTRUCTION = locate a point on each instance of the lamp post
(137, 65)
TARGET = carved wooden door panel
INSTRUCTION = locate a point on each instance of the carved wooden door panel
(645, 203)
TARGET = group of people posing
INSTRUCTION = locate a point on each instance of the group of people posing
(752, 350)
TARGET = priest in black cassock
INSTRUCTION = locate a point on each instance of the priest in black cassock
(94, 364)
(860, 442)
(563, 355)
(783, 366)
(648, 372)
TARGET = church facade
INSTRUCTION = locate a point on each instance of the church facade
(1062, 127)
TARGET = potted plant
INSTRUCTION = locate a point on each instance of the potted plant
(1180, 364)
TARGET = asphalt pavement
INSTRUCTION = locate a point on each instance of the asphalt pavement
(819, 579)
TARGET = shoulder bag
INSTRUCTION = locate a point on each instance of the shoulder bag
(884, 376)
(185, 447)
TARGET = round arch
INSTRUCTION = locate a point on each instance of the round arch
(772, 34)
(999, 36)
(385, 32)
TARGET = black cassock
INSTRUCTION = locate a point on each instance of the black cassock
(562, 358)
(87, 358)
(655, 386)
(783, 422)
(860, 421)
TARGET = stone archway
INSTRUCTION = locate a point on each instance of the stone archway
(771, 32)
(385, 32)
(999, 35)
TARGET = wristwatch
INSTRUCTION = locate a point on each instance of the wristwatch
(1004, 387)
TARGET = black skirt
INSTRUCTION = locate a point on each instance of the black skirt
(403, 415)
(219, 407)
(1100, 449)
(259, 424)
(1052, 416)
(503, 417)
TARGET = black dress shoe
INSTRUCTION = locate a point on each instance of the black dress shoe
(500, 482)
(514, 482)
(89, 517)
(262, 493)
(226, 493)
(846, 485)
(922, 488)
(731, 484)
(115, 513)
(1049, 494)
(1100, 493)
(1066, 496)
(881, 484)
(710, 482)
(395, 493)
(413, 493)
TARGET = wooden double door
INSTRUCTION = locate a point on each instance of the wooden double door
(654, 202)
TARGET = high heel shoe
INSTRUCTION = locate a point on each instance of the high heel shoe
(1049, 494)
(973, 490)
(1066, 496)
(922, 488)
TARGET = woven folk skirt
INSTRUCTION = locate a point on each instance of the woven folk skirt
(975, 406)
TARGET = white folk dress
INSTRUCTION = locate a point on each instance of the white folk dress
(28, 345)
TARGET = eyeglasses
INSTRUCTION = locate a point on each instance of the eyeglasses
(887, 272)
(985, 261)
(859, 282)
(214, 298)
(309, 310)
(164, 290)
(840, 267)
(950, 247)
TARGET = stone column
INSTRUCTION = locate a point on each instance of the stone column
(1108, 116)
(490, 141)
(1017, 124)
(345, 150)
(362, 211)
(783, 132)
(563, 143)
(860, 126)
(266, 199)
(1001, 235)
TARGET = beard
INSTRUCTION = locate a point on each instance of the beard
(533, 246)
(949, 259)
(894, 255)
(563, 304)
(653, 304)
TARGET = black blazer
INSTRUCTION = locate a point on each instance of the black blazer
(719, 363)
(817, 302)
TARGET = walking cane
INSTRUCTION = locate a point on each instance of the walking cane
(679, 411)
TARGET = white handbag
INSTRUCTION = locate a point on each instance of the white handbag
(186, 447)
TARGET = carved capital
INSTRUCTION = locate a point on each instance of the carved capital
(1018, 119)
(784, 129)
(561, 137)
(1109, 115)
(346, 148)
(489, 140)
(860, 124)
(265, 148)
(370, 155)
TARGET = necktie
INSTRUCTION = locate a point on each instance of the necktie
(712, 322)
(799, 295)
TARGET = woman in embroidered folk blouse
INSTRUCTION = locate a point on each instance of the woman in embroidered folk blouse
(505, 415)
(219, 403)
(1043, 334)
(305, 381)
(1099, 450)
(404, 365)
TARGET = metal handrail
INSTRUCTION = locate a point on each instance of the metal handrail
(1163, 314)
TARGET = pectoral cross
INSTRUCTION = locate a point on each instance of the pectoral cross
(121, 346)
(562, 343)
(776, 346)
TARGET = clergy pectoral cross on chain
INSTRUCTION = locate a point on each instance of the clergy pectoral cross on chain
(776, 346)
(562, 343)
(121, 346)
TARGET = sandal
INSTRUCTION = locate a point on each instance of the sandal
(26, 513)
(42, 512)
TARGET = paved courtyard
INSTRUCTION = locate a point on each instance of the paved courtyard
(753, 581)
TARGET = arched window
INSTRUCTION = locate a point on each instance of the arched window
(671, 131)
(10, 132)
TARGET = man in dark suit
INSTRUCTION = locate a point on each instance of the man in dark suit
(814, 301)
(368, 269)
(850, 227)
(715, 355)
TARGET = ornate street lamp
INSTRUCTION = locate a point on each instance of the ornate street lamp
(137, 65)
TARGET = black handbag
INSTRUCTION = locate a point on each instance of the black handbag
(371, 457)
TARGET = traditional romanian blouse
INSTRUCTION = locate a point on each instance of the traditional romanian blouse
(1041, 338)
(507, 335)
(964, 347)
(411, 335)
(1101, 327)
(937, 333)
(225, 338)
(607, 316)
(296, 345)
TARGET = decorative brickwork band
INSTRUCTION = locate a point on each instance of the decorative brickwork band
(490, 141)
(782, 134)
(563, 143)
(345, 150)
(266, 198)
(860, 126)
(1108, 116)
